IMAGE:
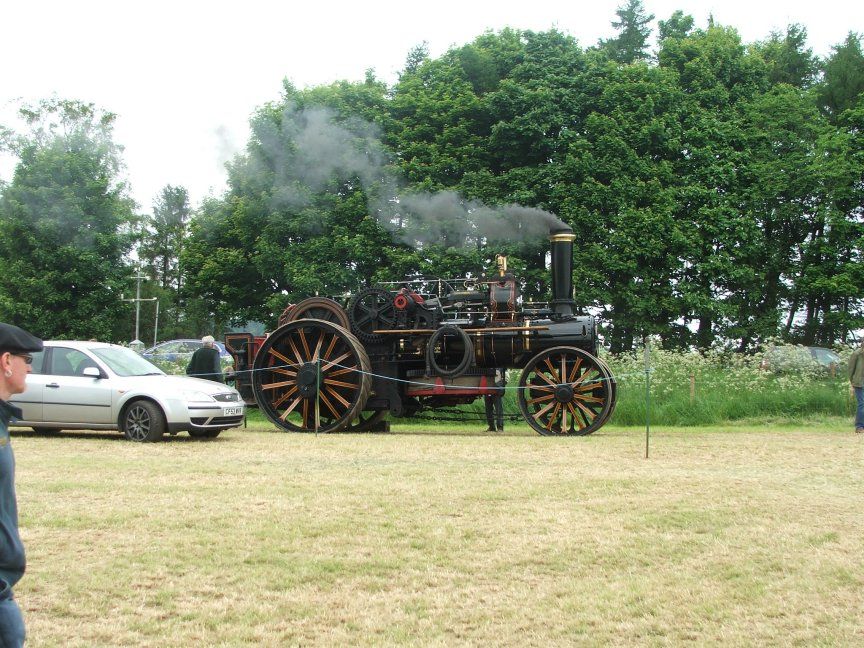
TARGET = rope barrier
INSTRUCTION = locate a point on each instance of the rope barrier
(418, 383)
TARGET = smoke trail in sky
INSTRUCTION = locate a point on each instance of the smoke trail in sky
(311, 147)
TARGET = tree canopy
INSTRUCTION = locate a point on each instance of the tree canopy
(66, 226)
(715, 186)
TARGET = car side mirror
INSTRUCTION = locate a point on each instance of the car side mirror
(92, 372)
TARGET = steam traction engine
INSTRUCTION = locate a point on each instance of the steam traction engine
(398, 349)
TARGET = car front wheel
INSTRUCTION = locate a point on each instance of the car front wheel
(144, 422)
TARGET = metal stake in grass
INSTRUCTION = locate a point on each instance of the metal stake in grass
(317, 394)
(647, 392)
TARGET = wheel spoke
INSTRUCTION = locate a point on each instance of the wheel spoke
(340, 359)
(281, 357)
(284, 397)
(277, 385)
(296, 352)
(302, 334)
(585, 375)
(316, 353)
(306, 414)
(588, 399)
(543, 410)
(553, 372)
(329, 405)
(546, 378)
(573, 371)
(541, 399)
(340, 383)
(338, 397)
(291, 407)
(553, 416)
(589, 413)
(581, 389)
(330, 348)
(578, 420)
(342, 371)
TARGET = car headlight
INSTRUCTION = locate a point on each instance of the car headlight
(197, 396)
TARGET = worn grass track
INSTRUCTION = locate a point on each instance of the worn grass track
(737, 535)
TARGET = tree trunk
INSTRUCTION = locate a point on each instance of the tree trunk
(705, 332)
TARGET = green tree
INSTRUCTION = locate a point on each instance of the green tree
(781, 199)
(620, 199)
(787, 57)
(162, 239)
(416, 56)
(716, 77)
(843, 77)
(679, 25)
(633, 29)
(66, 226)
(826, 303)
(164, 234)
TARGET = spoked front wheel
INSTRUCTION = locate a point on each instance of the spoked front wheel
(565, 390)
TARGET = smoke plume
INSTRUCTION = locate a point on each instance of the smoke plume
(312, 147)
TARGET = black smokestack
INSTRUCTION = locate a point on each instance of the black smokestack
(562, 271)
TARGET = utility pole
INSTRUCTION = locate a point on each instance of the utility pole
(156, 325)
(138, 277)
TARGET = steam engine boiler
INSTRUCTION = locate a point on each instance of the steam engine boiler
(396, 349)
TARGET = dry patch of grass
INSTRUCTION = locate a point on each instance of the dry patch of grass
(433, 536)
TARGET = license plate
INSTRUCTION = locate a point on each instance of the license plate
(232, 411)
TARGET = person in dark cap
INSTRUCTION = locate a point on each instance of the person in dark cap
(16, 345)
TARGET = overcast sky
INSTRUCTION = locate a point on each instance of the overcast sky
(185, 76)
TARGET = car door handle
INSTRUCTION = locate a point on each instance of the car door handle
(53, 385)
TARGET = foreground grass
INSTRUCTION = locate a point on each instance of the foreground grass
(734, 535)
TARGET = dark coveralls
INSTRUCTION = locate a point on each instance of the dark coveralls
(494, 406)
(205, 364)
(12, 560)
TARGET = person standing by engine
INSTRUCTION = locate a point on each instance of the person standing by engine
(856, 380)
(205, 363)
(494, 403)
(16, 345)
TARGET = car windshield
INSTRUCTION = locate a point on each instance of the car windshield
(125, 362)
(825, 356)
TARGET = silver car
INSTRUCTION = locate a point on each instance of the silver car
(99, 386)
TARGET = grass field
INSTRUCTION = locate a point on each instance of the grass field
(736, 535)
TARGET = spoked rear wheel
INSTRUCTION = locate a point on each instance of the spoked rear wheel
(311, 375)
(321, 308)
(565, 390)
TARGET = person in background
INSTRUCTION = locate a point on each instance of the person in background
(494, 405)
(856, 379)
(205, 363)
(16, 345)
